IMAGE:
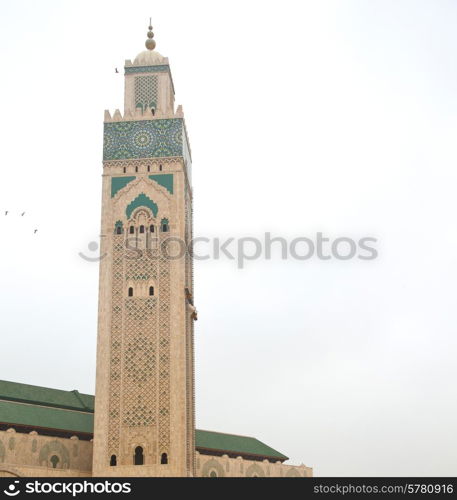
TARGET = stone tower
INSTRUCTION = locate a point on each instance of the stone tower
(144, 410)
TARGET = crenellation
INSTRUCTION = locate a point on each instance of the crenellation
(139, 114)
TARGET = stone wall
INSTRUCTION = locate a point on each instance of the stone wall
(35, 455)
(212, 466)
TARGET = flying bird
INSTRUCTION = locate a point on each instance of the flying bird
(6, 213)
(35, 231)
(22, 214)
(116, 70)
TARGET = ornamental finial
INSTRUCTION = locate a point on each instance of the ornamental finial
(150, 42)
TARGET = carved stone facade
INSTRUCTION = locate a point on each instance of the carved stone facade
(144, 392)
(216, 466)
(33, 455)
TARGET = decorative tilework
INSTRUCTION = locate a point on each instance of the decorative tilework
(165, 180)
(146, 69)
(141, 201)
(119, 224)
(146, 92)
(117, 183)
(58, 448)
(143, 139)
(116, 347)
(164, 352)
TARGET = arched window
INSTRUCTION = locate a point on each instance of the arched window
(160, 168)
(165, 228)
(149, 168)
(125, 170)
(132, 229)
(130, 292)
(213, 474)
(54, 461)
(151, 290)
(141, 229)
(151, 228)
(113, 461)
(138, 459)
(164, 458)
(118, 230)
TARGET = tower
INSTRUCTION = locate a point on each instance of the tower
(144, 405)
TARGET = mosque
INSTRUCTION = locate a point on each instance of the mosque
(141, 421)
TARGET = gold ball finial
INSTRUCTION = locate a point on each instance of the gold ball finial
(150, 42)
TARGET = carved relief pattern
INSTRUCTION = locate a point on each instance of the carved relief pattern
(139, 362)
(164, 357)
(116, 345)
(57, 448)
(190, 417)
(146, 91)
(140, 345)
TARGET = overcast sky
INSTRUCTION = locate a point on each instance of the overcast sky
(320, 116)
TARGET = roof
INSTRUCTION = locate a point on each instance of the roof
(71, 411)
(30, 415)
(243, 445)
(72, 400)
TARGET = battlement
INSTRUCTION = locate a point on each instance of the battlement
(140, 114)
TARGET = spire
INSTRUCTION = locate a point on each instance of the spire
(150, 42)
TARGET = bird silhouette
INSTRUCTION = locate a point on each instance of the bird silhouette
(116, 70)
(35, 231)
(22, 214)
(6, 213)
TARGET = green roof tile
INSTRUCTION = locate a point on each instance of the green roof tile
(243, 445)
(71, 411)
(12, 391)
(46, 417)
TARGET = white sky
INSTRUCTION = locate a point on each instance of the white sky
(332, 116)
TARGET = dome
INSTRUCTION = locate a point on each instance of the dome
(148, 58)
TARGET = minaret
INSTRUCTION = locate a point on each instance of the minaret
(144, 405)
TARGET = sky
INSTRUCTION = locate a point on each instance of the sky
(336, 117)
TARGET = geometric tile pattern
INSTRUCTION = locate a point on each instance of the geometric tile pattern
(146, 92)
(189, 325)
(115, 346)
(117, 183)
(140, 349)
(143, 139)
(146, 69)
(164, 356)
(165, 180)
(139, 362)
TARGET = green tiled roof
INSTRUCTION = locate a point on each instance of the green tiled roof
(243, 445)
(46, 417)
(74, 400)
(71, 411)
